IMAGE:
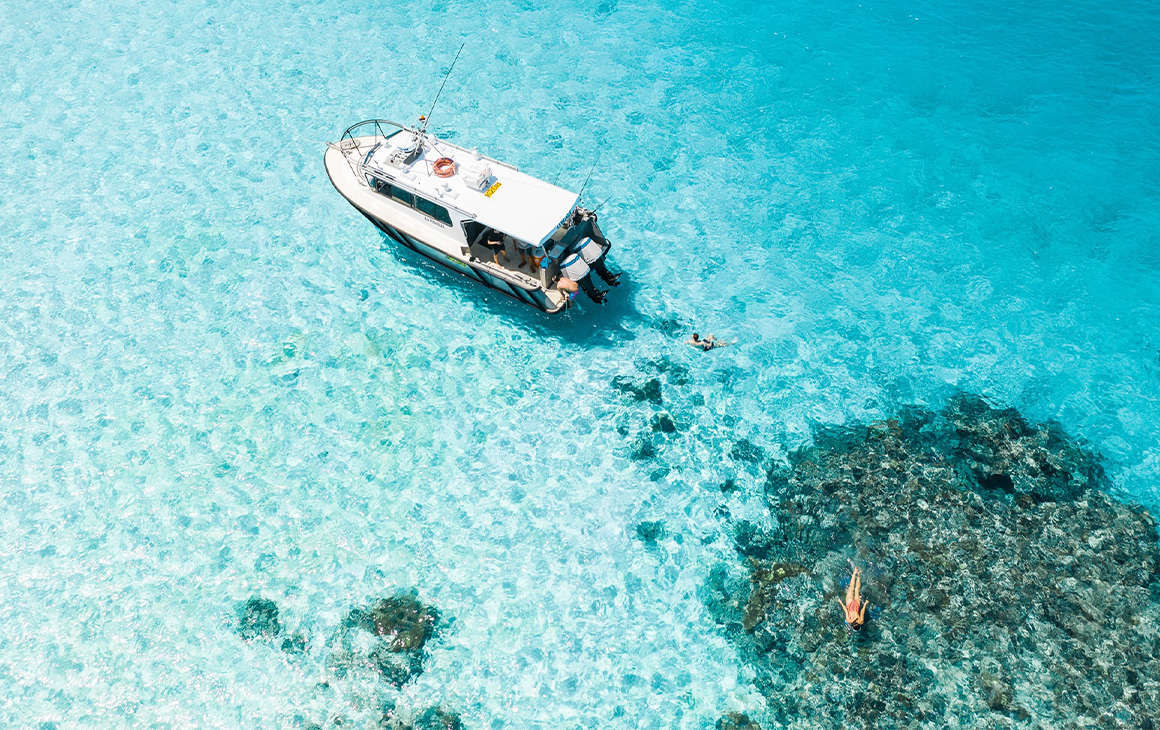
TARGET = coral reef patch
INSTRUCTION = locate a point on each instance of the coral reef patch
(650, 390)
(663, 423)
(746, 450)
(649, 532)
(294, 644)
(432, 718)
(1007, 589)
(386, 638)
(737, 721)
(643, 450)
(258, 619)
(403, 622)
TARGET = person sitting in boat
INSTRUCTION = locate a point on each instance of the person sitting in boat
(708, 343)
(566, 286)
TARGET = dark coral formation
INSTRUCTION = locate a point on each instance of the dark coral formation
(1006, 588)
(646, 394)
(294, 644)
(643, 449)
(650, 532)
(387, 638)
(765, 578)
(432, 718)
(1000, 450)
(674, 372)
(258, 619)
(403, 622)
(650, 390)
(737, 721)
(663, 423)
(746, 450)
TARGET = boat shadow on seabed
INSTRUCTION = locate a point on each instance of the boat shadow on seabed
(585, 323)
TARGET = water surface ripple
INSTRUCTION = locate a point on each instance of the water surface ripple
(219, 382)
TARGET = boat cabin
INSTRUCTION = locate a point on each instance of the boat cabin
(498, 214)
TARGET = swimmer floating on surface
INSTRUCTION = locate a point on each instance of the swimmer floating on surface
(855, 606)
(708, 343)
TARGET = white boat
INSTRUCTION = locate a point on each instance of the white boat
(474, 215)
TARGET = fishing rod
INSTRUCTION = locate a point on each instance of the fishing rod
(427, 119)
(602, 202)
(590, 171)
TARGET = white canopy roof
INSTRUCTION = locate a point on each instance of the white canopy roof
(528, 209)
(522, 206)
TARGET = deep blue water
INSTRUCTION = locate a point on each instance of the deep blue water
(220, 381)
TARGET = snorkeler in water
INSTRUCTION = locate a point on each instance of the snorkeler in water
(708, 343)
(855, 606)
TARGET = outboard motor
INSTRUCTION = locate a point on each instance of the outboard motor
(593, 255)
(575, 268)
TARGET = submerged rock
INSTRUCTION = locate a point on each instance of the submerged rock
(650, 532)
(404, 622)
(432, 718)
(396, 669)
(649, 391)
(765, 578)
(746, 450)
(258, 619)
(1006, 588)
(663, 423)
(1000, 450)
(387, 638)
(643, 449)
(676, 373)
(737, 721)
(294, 644)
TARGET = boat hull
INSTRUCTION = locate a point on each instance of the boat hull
(465, 269)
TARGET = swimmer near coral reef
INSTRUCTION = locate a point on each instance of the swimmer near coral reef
(1011, 590)
(855, 606)
(707, 343)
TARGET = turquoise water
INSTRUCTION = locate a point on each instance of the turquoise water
(219, 381)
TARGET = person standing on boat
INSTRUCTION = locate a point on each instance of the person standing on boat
(525, 250)
(494, 241)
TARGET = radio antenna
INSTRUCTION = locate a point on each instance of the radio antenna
(427, 119)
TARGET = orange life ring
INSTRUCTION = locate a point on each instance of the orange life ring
(444, 167)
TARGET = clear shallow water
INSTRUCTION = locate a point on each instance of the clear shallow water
(215, 383)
